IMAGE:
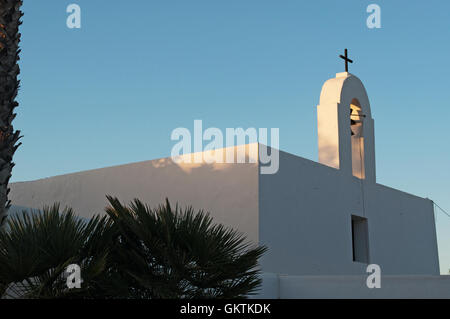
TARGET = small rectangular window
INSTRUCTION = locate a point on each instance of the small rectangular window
(360, 239)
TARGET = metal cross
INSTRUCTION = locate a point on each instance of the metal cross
(346, 60)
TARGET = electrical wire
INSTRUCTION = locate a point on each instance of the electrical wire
(440, 208)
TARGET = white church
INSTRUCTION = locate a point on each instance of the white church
(323, 222)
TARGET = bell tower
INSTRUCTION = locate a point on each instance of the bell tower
(346, 127)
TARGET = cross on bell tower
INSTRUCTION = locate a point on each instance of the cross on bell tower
(346, 60)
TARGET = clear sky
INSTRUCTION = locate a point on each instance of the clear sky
(112, 92)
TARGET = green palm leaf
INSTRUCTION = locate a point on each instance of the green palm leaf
(36, 248)
(172, 253)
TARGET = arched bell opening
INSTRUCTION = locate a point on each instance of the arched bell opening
(357, 138)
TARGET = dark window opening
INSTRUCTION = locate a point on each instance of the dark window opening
(360, 239)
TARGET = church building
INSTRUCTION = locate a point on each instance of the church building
(324, 218)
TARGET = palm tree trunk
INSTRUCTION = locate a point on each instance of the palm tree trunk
(10, 15)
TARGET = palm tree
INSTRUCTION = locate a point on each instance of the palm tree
(132, 252)
(172, 253)
(36, 248)
(10, 15)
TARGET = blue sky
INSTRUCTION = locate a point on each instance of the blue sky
(113, 91)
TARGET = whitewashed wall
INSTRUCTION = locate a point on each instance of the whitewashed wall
(302, 213)
(228, 191)
(349, 287)
(305, 220)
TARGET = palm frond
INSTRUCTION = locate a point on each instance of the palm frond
(36, 248)
(168, 252)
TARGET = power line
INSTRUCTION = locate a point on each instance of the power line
(441, 208)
